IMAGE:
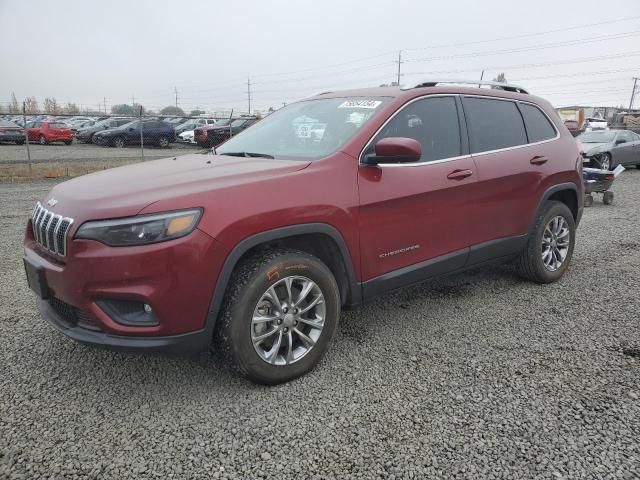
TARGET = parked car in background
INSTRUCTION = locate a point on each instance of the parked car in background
(187, 137)
(193, 123)
(154, 132)
(10, 132)
(86, 134)
(606, 149)
(46, 131)
(213, 135)
(595, 124)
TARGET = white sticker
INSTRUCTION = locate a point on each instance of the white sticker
(360, 104)
(304, 130)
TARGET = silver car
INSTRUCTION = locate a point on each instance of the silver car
(606, 149)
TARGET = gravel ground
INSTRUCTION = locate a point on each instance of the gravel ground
(77, 151)
(479, 375)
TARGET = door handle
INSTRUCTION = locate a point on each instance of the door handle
(459, 174)
(538, 160)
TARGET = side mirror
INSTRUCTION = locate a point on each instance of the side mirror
(620, 140)
(395, 150)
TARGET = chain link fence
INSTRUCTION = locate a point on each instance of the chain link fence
(39, 144)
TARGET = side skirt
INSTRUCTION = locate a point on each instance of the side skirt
(494, 251)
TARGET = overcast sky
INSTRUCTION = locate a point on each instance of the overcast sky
(84, 51)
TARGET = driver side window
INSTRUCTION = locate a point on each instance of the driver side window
(431, 121)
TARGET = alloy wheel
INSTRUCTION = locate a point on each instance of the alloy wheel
(288, 320)
(556, 240)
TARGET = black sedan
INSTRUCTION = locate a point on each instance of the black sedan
(10, 132)
(86, 134)
(606, 149)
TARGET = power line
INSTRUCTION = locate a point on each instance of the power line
(531, 65)
(526, 35)
(578, 41)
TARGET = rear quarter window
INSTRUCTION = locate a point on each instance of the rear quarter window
(493, 124)
(538, 126)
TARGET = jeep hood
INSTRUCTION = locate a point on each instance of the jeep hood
(127, 190)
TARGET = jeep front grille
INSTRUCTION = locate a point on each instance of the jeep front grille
(50, 230)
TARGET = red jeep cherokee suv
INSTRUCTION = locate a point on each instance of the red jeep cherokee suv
(322, 205)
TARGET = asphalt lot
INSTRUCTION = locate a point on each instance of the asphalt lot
(78, 151)
(480, 375)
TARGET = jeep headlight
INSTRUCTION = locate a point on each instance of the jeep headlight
(141, 230)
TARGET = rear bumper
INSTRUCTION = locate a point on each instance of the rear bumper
(185, 343)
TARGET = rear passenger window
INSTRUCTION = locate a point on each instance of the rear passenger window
(493, 124)
(539, 127)
(431, 121)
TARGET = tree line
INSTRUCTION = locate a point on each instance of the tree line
(51, 106)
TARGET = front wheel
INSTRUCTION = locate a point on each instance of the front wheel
(67, 142)
(605, 161)
(19, 142)
(279, 315)
(550, 245)
(42, 140)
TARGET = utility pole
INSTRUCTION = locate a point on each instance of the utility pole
(400, 62)
(249, 94)
(133, 100)
(175, 89)
(481, 77)
(633, 92)
(26, 134)
(104, 101)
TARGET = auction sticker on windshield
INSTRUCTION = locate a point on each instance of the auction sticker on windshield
(360, 104)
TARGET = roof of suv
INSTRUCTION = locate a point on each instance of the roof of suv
(397, 92)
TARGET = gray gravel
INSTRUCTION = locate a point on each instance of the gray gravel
(475, 376)
(10, 153)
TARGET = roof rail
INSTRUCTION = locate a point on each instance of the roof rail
(509, 87)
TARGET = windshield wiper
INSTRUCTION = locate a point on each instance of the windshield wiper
(247, 154)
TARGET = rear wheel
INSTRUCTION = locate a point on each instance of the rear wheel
(67, 142)
(279, 315)
(42, 140)
(550, 246)
(163, 141)
(607, 198)
(118, 142)
(19, 142)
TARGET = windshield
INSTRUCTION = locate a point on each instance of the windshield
(597, 137)
(309, 129)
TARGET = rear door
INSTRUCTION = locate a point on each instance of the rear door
(510, 166)
(417, 212)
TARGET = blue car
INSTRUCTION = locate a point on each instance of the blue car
(154, 132)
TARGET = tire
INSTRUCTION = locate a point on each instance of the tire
(605, 162)
(19, 142)
(163, 141)
(118, 142)
(67, 142)
(248, 292)
(607, 198)
(638, 166)
(42, 140)
(588, 200)
(531, 264)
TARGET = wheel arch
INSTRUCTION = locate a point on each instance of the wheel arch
(566, 193)
(319, 239)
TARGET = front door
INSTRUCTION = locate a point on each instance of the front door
(414, 216)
